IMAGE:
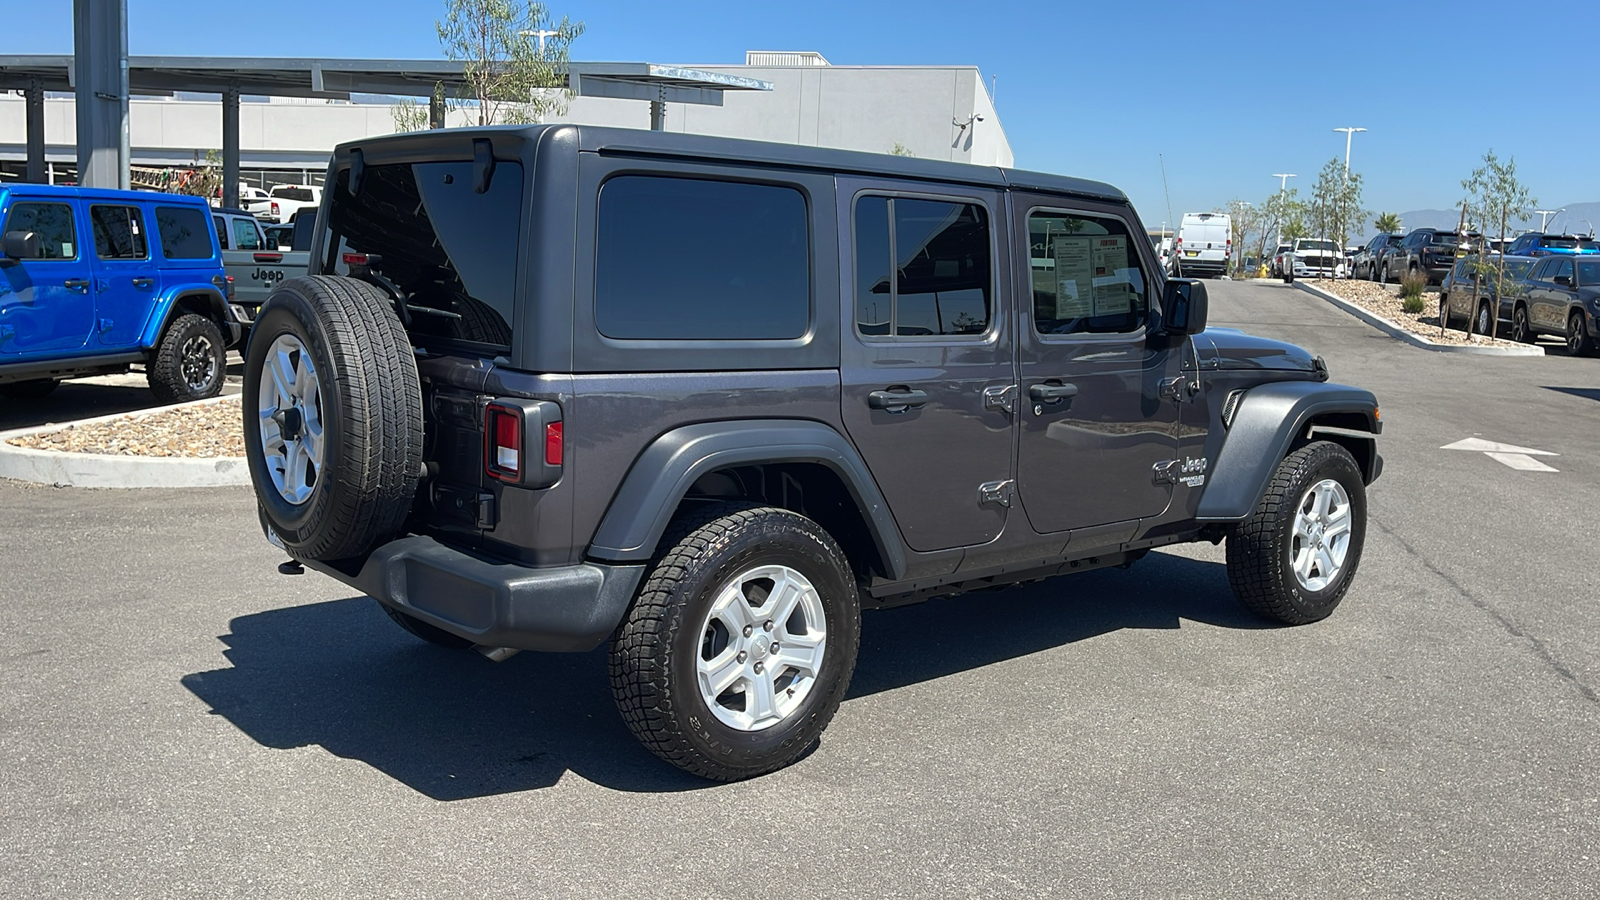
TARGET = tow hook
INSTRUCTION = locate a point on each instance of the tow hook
(496, 654)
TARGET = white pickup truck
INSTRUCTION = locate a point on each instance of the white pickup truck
(283, 201)
(254, 265)
(1311, 258)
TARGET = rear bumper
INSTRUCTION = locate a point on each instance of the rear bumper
(494, 604)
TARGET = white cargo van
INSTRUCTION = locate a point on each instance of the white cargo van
(1205, 243)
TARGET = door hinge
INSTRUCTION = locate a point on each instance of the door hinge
(996, 492)
(1164, 472)
(1001, 397)
(1178, 387)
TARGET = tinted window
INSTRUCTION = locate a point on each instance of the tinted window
(1318, 245)
(1561, 267)
(1396, 241)
(222, 232)
(1086, 275)
(1589, 272)
(51, 223)
(185, 234)
(1518, 268)
(691, 259)
(941, 263)
(446, 246)
(118, 232)
(246, 235)
(302, 195)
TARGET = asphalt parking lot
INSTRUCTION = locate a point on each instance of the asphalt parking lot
(179, 720)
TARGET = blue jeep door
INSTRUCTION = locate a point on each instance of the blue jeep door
(46, 308)
(126, 280)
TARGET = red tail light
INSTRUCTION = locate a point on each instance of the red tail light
(502, 442)
(274, 209)
(552, 444)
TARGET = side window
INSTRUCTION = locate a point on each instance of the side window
(246, 235)
(222, 232)
(118, 232)
(1463, 269)
(695, 259)
(184, 234)
(1086, 275)
(1562, 267)
(51, 223)
(1541, 272)
(923, 267)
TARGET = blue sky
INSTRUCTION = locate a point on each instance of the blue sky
(1229, 92)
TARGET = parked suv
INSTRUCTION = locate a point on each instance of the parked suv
(253, 262)
(1430, 252)
(1536, 243)
(708, 399)
(93, 281)
(1562, 297)
(1368, 260)
(1479, 296)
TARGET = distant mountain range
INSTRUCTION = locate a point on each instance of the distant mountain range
(1579, 218)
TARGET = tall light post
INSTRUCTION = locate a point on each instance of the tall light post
(1545, 214)
(541, 34)
(1348, 134)
(1283, 188)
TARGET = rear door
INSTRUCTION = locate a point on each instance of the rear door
(927, 367)
(126, 280)
(46, 305)
(1100, 408)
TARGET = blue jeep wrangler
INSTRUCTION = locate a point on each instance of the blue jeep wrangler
(149, 288)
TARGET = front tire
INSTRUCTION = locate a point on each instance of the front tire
(190, 362)
(1579, 341)
(1485, 321)
(741, 643)
(1521, 331)
(1293, 559)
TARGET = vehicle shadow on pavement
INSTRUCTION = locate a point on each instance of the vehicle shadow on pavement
(72, 401)
(1586, 393)
(453, 726)
(978, 629)
(446, 723)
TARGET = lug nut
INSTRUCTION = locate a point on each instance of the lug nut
(743, 656)
(774, 646)
(767, 625)
(758, 668)
(747, 630)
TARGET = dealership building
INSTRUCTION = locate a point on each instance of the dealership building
(934, 112)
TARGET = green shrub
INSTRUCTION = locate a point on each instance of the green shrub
(1411, 288)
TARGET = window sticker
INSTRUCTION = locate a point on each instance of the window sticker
(1113, 294)
(1074, 258)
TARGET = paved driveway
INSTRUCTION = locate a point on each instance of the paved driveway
(178, 720)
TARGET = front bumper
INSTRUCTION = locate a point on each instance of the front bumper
(493, 604)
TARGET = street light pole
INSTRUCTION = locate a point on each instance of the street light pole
(1348, 134)
(1545, 214)
(1283, 188)
(541, 34)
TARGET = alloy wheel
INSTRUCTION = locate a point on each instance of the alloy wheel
(197, 361)
(1321, 537)
(289, 405)
(761, 647)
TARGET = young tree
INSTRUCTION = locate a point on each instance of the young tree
(1387, 223)
(1277, 212)
(513, 78)
(1496, 198)
(1336, 203)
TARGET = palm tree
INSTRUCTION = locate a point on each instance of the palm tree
(1388, 223)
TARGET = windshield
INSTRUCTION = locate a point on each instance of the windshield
(1317, 245)
(1518, 268)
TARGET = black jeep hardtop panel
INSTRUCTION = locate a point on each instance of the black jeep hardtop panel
(419, 145)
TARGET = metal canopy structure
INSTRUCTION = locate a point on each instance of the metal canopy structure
(337, 79)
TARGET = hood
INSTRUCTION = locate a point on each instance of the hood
(1230, 348)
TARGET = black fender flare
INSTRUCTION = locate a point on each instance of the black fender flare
(664, 472)
(1266, 423)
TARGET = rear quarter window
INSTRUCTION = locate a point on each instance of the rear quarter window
(698, 259)
(185, 233)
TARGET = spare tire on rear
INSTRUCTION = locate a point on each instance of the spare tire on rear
(332, 416)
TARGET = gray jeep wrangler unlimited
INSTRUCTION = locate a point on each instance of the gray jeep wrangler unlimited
(707, 399)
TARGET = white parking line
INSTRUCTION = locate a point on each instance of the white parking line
(1519, 458)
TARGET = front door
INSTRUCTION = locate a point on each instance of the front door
(46, 308)
(927, 359)
(1099, 394)
(126, 281)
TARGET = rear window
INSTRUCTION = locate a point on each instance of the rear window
(185, 232)
(451, 250)
(302, 195)
(1451, 239)
(693, 259)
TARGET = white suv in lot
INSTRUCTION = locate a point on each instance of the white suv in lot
(283, 201)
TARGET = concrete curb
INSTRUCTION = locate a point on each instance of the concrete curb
(101, 470)
(1416, 340)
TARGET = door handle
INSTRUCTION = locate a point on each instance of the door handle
(897, 401)
(1052, 391)
(143, 282)
(77, 284)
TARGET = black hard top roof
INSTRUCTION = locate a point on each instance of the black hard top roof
(658, 143)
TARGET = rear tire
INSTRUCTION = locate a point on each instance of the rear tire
(1485, 321)
(1445, 319)
(333, 429)
(1289, 561)
(1521, 331)
(190, 362)
(700, 673)
(36, 389)
(1579, 341)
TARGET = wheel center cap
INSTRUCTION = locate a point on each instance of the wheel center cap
(290, 422)
(759, 647)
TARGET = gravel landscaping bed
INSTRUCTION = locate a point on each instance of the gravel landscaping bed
(1384, 300)
(203, 431)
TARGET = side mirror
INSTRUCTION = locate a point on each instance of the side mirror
(1563, 280)
(21, 245)
(1184, 306)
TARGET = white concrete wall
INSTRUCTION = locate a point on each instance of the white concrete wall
(846, 107)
